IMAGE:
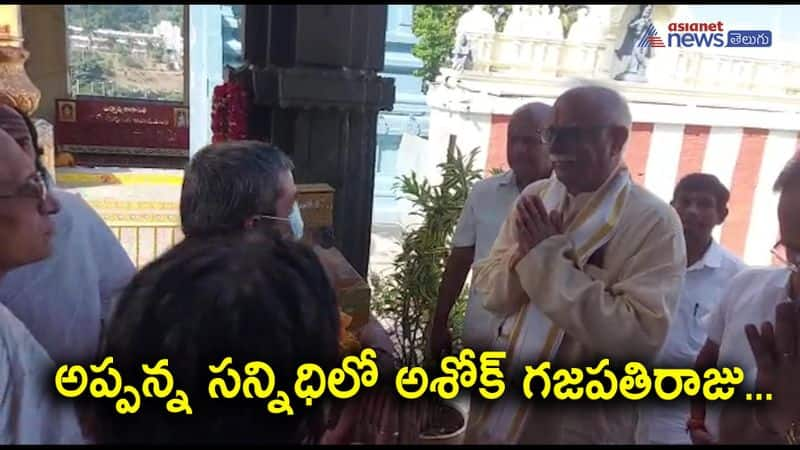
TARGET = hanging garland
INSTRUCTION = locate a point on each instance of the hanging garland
(229, 112)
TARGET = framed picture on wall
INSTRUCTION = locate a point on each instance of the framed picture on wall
(66, 111)
(181, 118)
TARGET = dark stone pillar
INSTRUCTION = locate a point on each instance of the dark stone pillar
(316, 94)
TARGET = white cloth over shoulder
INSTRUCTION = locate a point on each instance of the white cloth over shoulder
(65, 300)
(30, 410)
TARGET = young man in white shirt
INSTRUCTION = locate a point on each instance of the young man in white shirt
(701, 202)
(751, 297)
(486, 208)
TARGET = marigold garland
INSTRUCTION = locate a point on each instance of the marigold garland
(229, 112)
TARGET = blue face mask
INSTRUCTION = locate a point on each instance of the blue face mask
(295, 221)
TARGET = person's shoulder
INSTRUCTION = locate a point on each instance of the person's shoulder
(645, 205)
(536, 187)
(729, 262)
(77, 210)
(753, 280)
(17, 344)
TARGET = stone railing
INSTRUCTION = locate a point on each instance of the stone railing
(673, 68)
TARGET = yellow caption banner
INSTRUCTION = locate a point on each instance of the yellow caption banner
(465, 371)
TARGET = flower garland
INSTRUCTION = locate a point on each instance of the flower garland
(229, 112)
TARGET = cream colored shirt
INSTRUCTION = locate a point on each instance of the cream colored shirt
(618, 307)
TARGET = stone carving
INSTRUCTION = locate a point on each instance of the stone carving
(633, 58)
(462, 54)
(585, 28)
(515, 24)
(533, 22)
(552, 24)
(476, 20)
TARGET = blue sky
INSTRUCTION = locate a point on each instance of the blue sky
(782, 20)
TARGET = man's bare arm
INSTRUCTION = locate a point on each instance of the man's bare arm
(455, 274)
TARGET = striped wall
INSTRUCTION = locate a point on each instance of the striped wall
(746, 160)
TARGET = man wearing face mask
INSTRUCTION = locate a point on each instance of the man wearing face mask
(233, 186)
(588, 265)
(239, 185)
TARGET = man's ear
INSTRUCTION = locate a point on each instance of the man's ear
(722, 215)
(619, 137)
(250, 223)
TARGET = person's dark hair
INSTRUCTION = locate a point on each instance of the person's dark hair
(790, 176)
(226, 183)
(31, 130)
(246, 296)
(704, 182)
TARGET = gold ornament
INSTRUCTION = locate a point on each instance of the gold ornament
(16, 89)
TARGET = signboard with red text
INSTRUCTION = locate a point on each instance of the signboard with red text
(111, 131)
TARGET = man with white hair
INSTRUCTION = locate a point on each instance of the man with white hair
(588, 265)
(29, 411)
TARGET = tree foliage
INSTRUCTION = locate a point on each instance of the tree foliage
(134, 18)
(407, 297)
(435, 28)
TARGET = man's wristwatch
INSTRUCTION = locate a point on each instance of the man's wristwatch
(695, 423)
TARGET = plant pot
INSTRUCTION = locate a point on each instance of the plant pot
(446, 425)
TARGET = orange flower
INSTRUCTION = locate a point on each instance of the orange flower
(348, 342)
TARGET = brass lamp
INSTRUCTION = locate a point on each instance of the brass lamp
(16, 89)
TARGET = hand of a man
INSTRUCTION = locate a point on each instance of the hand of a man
(440, 341)
(533, 224)
(701, 437)
(778, 362)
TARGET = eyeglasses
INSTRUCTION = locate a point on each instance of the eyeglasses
(34, 187)
(781, 253)
(572, 134)
(536, 138)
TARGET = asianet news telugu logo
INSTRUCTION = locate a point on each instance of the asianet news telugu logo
(704, 34)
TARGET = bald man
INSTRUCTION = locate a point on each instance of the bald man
(587, 265)
(29, 414)
(486, 207)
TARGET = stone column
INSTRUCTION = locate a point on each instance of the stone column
(313, 73)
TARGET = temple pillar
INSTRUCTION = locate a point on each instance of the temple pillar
(316, 94)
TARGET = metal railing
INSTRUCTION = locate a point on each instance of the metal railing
(144, 243)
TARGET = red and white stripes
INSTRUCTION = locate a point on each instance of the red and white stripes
(746, 160)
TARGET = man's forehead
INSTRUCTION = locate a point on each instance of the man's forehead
(575, 112)
(15, 165)
(528, 123)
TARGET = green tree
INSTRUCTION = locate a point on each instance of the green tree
(435, 28)
(407, 296)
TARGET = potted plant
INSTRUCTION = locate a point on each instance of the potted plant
(405, 299)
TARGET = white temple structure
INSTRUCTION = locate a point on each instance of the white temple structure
(736, 116)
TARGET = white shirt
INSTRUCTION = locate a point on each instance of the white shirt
(30, 410)
(65, 299)
(751, 298)
(706, 279)
(485, 210)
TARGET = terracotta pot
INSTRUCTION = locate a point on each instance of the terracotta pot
(448, 412)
